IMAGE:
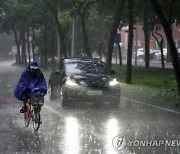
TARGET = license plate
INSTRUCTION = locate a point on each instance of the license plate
(94, 93)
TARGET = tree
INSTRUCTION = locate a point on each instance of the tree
(130, 42)
(146, 32)
(160, 43)
(11, 22)
(113, 32)
(168, 32)
(99, 25)
(82, 8)
(118, 40)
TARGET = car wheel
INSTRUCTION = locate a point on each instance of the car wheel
(51, 91)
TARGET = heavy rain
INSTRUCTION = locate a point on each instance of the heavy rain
(111, 71)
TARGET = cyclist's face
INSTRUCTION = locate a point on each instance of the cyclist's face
(34, 71)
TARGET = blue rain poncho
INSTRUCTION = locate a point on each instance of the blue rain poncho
(30, 82)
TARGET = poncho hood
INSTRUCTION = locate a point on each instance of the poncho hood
(33, 64)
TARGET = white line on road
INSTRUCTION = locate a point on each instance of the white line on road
(8, 85)
(154, 106)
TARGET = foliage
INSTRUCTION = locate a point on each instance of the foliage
(99, 25)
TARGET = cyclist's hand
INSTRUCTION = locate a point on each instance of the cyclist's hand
(36, 90)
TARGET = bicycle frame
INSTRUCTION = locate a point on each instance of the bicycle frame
(33, 106)
(28, 114)
(32, 113)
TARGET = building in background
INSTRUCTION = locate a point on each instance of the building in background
(153, 43)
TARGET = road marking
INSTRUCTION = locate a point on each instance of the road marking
(8, 85)
(154, 106)
(102, 137)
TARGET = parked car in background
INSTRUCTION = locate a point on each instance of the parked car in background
(140, 53)
(83, 80)
(157, 56)
(152, 53)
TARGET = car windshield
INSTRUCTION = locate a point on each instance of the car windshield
(80, 66)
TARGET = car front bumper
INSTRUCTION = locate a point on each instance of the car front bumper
(83, 94)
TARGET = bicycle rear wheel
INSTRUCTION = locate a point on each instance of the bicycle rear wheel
(36, 118)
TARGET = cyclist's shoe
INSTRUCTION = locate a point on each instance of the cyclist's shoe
(23, 109)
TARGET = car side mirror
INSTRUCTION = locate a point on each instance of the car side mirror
(113, 72)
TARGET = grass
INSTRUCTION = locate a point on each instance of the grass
(153, 82)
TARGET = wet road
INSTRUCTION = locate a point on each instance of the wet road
(143, 127)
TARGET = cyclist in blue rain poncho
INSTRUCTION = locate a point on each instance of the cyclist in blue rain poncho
(31, 80)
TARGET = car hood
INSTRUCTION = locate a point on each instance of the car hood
(92, 80)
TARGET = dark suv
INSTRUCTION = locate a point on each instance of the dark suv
(83, 80)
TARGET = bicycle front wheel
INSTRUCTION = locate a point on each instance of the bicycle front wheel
(27, 118)
(36, 120)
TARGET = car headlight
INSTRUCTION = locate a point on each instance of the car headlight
(113, 82)
(71, 82)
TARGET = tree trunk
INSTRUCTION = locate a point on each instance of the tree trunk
(23, 33)
(62, 37)
(146, 34)
(17, 41)
(160, 43)
(85, 34)
(45, 48)
(116, 21)
(53, 47)
(171, 5)
(33, 44)
(28, 44)
(118, 40)
(18, 53)
(168, 58)
(130, 42)
(161, 48)
(173, 50)
(120, 54)
(162, 55)
(100, 49)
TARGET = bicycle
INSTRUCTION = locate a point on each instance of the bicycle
(33, 108)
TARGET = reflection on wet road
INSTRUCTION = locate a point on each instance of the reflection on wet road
(95, 128)
(84, 129)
